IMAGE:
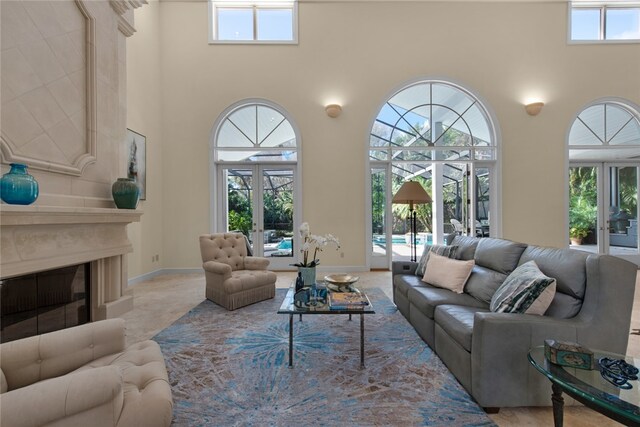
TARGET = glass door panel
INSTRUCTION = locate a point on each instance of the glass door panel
(239, 198)
(453, 202)
(379, 246)
(584, 223)
(623, 209)
(482, 201)
(277, 215)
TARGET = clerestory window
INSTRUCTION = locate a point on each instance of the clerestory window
(604, 22)
(262, 21)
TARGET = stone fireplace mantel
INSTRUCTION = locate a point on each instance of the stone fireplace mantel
(38, 238)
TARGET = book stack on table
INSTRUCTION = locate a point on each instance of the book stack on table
(347, 301)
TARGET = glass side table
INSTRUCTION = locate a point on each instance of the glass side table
(590, 388)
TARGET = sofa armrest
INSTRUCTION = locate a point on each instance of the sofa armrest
(403, 267)
(58, 398)
(38, 358)
(255, 263)
(499, 348)
(217, 268)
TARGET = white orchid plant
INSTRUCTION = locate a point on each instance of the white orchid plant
(313, 243)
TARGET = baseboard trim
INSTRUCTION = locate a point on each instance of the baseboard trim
(160, 272)
(165, 271)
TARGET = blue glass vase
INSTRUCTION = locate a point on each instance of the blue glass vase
(125, 193)
(17, 187)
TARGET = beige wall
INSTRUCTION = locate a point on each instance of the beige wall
(45, 91)
(144, 115)
(358, 54)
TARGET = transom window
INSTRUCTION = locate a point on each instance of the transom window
(255, 132)
(264, 21)
(431, 121)
(617, 21)
(608, 130)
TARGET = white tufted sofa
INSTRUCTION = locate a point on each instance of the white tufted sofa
(233, 278)
(84, 376)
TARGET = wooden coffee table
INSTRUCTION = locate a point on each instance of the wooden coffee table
(288, 307)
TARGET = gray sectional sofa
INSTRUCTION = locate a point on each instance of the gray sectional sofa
(486, 351)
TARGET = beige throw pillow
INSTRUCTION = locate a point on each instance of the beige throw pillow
(447, 273)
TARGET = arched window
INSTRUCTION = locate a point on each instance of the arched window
(604, 165)
(253, 132)
(256, 179)
(441, 135)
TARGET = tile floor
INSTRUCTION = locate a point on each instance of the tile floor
(160, 301)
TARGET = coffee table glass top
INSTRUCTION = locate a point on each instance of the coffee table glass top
(288, 307)
(591, 385)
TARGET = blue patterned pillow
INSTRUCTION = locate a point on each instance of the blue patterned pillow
(525, 290)
(444, 250)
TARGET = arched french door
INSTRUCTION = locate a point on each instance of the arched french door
(256, 180)
(604, 179)
(441, 135)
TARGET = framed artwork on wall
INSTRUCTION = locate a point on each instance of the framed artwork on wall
(136, 152)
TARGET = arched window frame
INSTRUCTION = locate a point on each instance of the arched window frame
(214, 161)
(474, 158)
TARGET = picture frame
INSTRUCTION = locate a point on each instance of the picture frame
(136, 160)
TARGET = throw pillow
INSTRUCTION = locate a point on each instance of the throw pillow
(525, 290)
(444, 250)
(447, 273)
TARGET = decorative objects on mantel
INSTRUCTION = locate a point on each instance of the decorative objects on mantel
(125, 193)
(316, 243)
(17, 187)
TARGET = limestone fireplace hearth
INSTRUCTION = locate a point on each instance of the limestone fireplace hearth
(38, 238)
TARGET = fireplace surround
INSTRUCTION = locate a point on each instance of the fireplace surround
(39, 238)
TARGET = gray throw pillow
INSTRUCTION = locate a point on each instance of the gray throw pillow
(521, 289)
(448, 251)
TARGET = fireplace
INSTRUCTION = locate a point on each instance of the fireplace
(43, 302)
(36, 239)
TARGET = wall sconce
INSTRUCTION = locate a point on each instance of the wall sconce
(534, 108)
(333, 110)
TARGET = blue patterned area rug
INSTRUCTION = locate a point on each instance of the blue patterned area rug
(230, 368)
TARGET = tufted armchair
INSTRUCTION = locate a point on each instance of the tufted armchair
(233, 278)
(84, 376)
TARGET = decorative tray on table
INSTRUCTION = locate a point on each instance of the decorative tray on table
(341, 282)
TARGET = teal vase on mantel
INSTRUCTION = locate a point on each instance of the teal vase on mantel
(308, 275)
(125, 193)
(17, 187)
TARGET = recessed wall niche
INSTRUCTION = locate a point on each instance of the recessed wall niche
(48, 85)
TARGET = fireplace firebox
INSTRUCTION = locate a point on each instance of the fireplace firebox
(43, 302)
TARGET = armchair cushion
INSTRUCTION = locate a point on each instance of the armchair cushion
(96, 393)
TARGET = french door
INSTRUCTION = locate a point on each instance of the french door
(461, 203)
(260, 201)
(604, 196)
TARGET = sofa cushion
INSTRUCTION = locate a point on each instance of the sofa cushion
(569, 269)
(457, 322)
(483, 282)
(499, 254)
(521, 289)
(466, 246)
(426, 298)
(447, 273)
(448, 251)
(404, 282)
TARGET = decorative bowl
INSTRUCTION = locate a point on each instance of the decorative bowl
(340, 282)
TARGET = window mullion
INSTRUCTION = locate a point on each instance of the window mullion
(255, 24)
(603, 22)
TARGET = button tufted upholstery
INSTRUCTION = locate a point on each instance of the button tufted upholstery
(84, 376)
(233, 278)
